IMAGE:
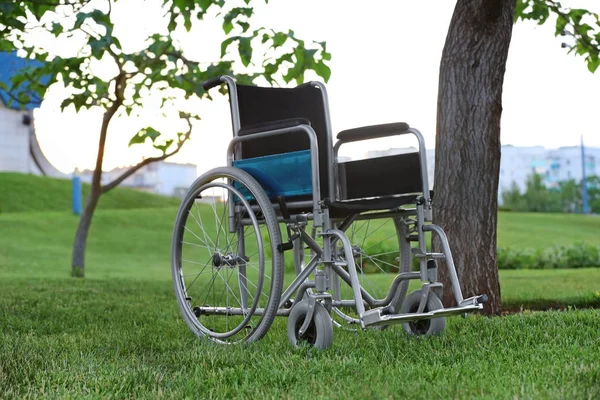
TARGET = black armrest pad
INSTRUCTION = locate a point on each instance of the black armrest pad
(272, 125)
(373, 131)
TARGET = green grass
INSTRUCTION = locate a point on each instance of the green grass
(124, 338)
(135, 244)
(26, 193)
(541, 230)
(118, 333)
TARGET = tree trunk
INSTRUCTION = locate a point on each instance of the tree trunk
(467, 159)
(78, 260)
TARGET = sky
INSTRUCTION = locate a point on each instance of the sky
(385, 62)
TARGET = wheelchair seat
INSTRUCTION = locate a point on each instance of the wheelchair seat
(351, 187)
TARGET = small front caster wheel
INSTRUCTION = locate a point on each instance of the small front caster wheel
(320, 330)
(424, 327)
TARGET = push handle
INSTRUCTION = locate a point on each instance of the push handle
(211, 83)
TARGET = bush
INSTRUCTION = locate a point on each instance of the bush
(580, 255)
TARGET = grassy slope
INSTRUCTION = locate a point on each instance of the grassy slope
(25, 193)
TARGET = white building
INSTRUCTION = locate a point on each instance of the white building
(161, 177)
(518, 163)
(565, 163)
(19, 147)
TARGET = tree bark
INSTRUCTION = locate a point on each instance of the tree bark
(85, 222)
(467, 159)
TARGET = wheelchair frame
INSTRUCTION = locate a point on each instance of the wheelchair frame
(331, 261)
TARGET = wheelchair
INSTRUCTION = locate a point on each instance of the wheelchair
(351, 229)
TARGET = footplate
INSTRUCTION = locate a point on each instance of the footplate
(375, 317)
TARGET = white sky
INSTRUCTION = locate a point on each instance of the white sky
(384, 69)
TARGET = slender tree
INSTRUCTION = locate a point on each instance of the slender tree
(159, 67)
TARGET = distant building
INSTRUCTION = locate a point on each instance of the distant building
(565, 163)
(518, 163)
(19, 147)
(161, 177)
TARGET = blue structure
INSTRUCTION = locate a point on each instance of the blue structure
(11, 65)
(76, 194)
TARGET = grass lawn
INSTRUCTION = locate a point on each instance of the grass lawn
(124, 338)
(540, 230)
(118, 333)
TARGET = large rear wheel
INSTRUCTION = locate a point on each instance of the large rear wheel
(227, 271)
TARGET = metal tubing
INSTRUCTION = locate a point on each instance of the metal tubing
(234, 104)
(422, 244)
(449, 261)
(242, 281)
(370, 300)
(298, 255)
(424, 177)
(283, 312)
(295, 285)
(302, 289)
(314, 246)
(330, 167)
(356, 289)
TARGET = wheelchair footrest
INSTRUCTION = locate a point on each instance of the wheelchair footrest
(377, 317)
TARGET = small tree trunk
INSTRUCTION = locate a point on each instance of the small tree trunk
(468, 143)
(85, 222)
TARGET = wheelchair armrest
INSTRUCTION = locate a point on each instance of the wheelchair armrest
(272, 125)
(373, 132)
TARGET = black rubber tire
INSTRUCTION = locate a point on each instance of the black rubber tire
(320, 331)
(425, 327)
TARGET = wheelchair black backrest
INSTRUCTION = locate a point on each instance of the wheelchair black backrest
(261, 105)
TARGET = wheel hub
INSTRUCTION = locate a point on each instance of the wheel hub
(356, 251)
(229, 260)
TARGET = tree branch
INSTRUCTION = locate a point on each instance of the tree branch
(120, 84)
(132, 170)
(584, 38)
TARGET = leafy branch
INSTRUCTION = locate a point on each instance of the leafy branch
(582, 25)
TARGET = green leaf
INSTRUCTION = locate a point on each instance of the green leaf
(164, 147)
(245, 26)
(57, 28)
(279, 39)
(245, 50)
(227, 26)
(593, 63)
(226, 44)
(577, 14)
(561, 23)
(143, 134)
(204, 4)
(322, 70)
(80, 19)
(98, 47)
